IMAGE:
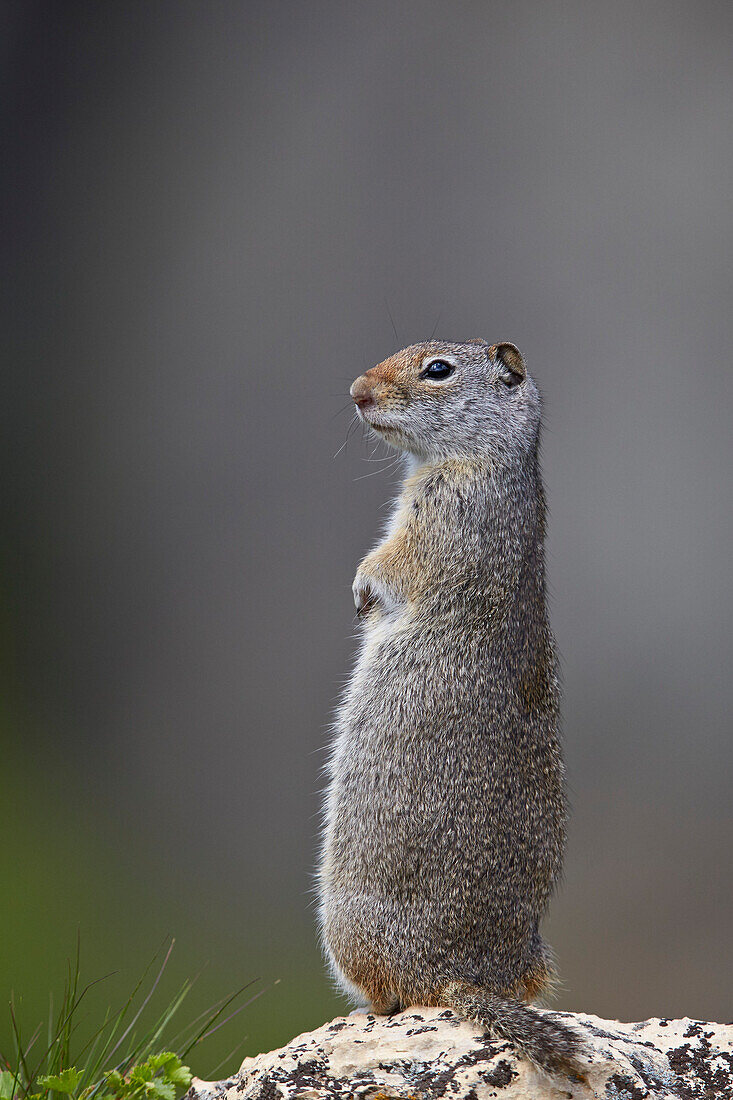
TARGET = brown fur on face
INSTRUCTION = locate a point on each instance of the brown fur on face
(487, 407)
(388, 383)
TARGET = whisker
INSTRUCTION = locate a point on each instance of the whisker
(394, 327)
(385, 459)
(348, 433)
(383, 470)
(374, 449)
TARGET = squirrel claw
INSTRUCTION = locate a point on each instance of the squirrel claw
(364, 601)
(365, 598)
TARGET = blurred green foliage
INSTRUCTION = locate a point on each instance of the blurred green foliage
(66, 870)
(118, 1056)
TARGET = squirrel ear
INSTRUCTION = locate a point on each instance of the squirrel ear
(510, 362)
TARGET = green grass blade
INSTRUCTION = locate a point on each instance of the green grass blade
(68, 1008)
(136, 1017)
(199, 1036)
(22, 1064)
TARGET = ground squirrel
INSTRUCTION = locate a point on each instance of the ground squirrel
(445, 812)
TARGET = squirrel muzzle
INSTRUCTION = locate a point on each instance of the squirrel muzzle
(362, 392)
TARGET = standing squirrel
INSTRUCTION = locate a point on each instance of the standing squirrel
(445, 812)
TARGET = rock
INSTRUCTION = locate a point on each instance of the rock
(426, 1053)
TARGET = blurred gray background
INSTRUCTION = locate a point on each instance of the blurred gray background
(212, 210)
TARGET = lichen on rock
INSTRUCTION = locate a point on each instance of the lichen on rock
(428, 1054)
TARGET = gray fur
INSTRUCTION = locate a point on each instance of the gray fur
(445, 814)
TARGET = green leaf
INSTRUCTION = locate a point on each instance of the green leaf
(160, 1090)
(65, 1082)
(181, 1076)
(117, 1085)
(7, 1085)
(140, 1075)
(165, 1058)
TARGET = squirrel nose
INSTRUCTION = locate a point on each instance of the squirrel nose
(362, 392)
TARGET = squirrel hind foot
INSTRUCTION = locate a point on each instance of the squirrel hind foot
(545, 1041)
(385, 1006)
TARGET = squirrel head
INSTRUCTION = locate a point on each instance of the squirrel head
(441, 400)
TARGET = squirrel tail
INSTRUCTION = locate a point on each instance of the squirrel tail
(545, 1041)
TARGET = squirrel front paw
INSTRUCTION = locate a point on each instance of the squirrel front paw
(372, 592)
(365, 598)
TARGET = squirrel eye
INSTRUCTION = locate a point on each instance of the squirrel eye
(437, 370)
